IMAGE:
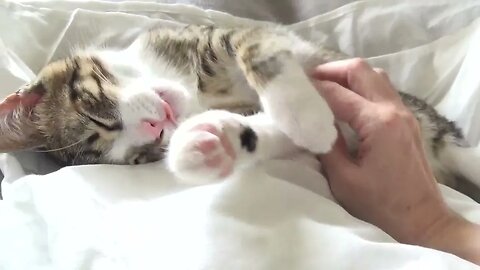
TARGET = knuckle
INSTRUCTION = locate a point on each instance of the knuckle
(384, 76)
(390, 117)
(394, 118)
(411, 120)
(381, 72)
(358, 64)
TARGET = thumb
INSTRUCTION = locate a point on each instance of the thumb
(341, 172)
(337, 162)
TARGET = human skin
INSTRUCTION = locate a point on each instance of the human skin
(389, 183)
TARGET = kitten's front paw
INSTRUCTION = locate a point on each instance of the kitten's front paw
(316, 130)
(201, 150)
(311, 125)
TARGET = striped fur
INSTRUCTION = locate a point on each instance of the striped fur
(79, 118)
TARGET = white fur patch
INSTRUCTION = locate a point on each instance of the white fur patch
(292, 101)
(188, 163)
(141, 76)
(462, 160)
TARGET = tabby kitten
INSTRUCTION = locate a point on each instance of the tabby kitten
(197, 91)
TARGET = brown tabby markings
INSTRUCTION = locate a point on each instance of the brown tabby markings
(81, 95)
(82, 103)
(78, 117)
(216, 48)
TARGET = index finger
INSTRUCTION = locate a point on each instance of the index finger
(357, 75)
(333, 71)
(346, 105)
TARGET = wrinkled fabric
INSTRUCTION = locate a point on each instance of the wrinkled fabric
(278, 215)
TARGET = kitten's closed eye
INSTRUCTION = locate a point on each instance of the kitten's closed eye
(115, 126)
(93, 138)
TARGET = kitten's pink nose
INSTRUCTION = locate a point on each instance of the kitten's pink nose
(152, 127)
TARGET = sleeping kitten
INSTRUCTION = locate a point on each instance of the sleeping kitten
(199, 91)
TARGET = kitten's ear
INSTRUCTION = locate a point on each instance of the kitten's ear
(17, 128)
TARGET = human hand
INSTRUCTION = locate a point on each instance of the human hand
(389, 183)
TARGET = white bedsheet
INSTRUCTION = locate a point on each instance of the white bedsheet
(275, 216)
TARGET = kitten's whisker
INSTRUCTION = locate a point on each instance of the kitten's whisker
(61, 148)
(100, 75)
(80, 151)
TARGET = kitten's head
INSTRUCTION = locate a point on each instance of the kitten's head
(91, 109)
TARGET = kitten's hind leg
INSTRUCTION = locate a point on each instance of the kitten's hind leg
(275, 70)
(211, 145)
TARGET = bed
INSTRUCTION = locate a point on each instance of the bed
(276, 215)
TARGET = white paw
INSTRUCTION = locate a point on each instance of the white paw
(312, 125)
(203, 149)
(307, 121)
(300, 112)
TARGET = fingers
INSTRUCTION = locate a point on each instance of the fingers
(347, 106)
(339, 169)
(355, 74)
(333, 71)
(338, 159)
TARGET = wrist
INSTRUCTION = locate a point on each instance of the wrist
(423, 221)
(457, 236)
(441, 230)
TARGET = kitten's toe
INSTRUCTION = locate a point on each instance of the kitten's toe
(202, 155)
(215, 157)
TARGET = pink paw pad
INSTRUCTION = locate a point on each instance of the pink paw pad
(216, 149)
(211, 144)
